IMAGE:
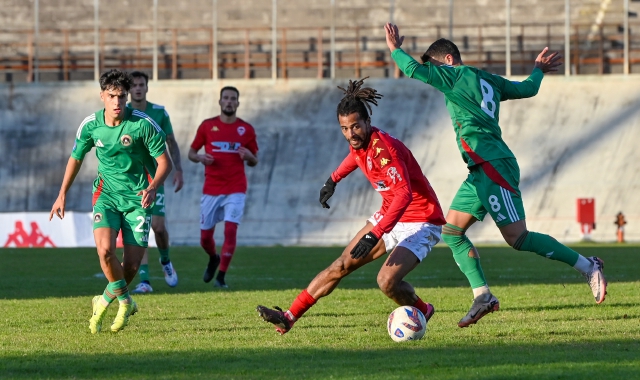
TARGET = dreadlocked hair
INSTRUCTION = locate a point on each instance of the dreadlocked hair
(358, 99)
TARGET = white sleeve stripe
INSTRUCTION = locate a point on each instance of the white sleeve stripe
(145, 116)
(85, 121)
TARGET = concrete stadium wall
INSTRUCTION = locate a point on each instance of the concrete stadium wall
(576, 138)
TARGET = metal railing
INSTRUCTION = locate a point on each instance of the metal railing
(70, 54)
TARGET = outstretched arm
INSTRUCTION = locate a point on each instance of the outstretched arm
(347, 166)
(530, 86)
(70, 173)
(441, 77)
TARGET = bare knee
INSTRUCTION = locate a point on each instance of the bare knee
(513, 239)
(387, 284)
(106, 252)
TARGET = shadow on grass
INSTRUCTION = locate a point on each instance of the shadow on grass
(616, 359)
(39, 273)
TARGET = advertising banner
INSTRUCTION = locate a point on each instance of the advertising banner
(34, 230)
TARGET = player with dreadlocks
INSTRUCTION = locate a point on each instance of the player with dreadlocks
(408, 224)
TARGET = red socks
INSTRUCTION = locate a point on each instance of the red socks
(207, 243)
(420, 305)
(229, 245)
(302, 303)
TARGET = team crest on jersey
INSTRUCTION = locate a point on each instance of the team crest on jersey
(215, 129)
(126, 140)
(384, 161)
(241, 130)
(97, 218)
(392, 172)
(369, 163)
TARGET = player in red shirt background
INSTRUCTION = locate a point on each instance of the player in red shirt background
(408, 224)
(228, 142)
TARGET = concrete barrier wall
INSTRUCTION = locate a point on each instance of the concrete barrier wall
(577, 138)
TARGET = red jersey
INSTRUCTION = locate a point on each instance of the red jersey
(222, 140)
(391, 168)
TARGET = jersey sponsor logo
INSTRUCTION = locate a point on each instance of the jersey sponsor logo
(375, 141)
(97, 218)
(369, 163)
(241, 130)
(225, 147)
(500, 218)
(126, 140)
(20, 238)
(75, 145)
(99, 144)
(378, 150)
(377, 217)
(384, 161)
(381, 186)
(215, 129)
(392, 172)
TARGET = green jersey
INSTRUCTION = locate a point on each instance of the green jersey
(122, 152)
(158, 114)
(472, 97)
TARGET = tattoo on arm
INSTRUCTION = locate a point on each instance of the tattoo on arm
(174, 151)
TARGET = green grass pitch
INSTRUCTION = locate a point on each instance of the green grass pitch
(548, 327)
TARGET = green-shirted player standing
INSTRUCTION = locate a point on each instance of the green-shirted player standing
(473, 97)
(125, 140)
(138, 92)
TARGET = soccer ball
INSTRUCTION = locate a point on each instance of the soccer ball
(406, 323)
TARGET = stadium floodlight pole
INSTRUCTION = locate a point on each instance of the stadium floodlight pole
(96, 40)
(215, 41)
(567, 38)
(155, 40)
(333, 39)
(507, 60)
(35, 41)
(626, 37)
(450, 20)
(274, 40)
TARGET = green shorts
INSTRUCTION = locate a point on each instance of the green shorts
(492, 187)
(134, 222)
(158, 205)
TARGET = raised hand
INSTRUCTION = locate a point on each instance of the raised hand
(550, 62)
(394, 39)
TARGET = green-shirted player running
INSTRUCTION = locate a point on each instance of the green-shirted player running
(139, 89)
(473, 97)
(125, 140)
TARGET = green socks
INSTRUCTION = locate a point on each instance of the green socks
(108, 293)
(120, 290)
(461, 247)
(164, 256)
(144, 273)
(117, 289)
(546, 246)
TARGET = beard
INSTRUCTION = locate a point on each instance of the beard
(228, 113)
